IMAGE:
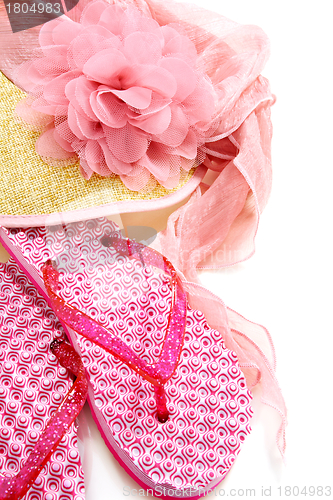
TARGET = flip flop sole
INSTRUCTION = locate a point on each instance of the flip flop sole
(32, 385)
(207, 396)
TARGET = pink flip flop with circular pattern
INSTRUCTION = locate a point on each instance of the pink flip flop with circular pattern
(34, 414)
(206, 395)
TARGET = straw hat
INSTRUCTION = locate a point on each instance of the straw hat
(81, 137)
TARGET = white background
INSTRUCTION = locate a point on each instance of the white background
(287, 284)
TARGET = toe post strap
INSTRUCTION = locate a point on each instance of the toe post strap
(161, 371)
(15, 487)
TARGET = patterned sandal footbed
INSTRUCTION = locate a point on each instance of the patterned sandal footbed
(34, 413)
(207, 398)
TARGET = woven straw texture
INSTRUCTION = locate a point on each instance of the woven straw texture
(29, 186)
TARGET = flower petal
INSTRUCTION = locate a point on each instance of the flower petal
(46, 68)
(138, 180)
(93, 153)
(54, 91)
(37, 121)
(178, 45)
(105, 67)
(155, 123)
(108, 108)
(90, 42)
(62, 142)
(85, 170)
(73, 123)
(156, 161)
(169, 33)
(78, 92)
(150, 77)
(187, 164)
(94, 157)
(171, 182)
(189, 147)
(137, 97)
(200, 106)
(184, 75)
(116, 166)
(45, 35)
(177, 130)
(137, 22)
(55, 51)
(48, 147)
(92, 12)
(157, 104)
(114, 19)
(128, 144)
(66, 31)
(43, 106)
(89, 129)
(161, 164)
(65, 132)
(142, 48)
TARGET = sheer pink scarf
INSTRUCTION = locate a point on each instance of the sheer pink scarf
(217, 226)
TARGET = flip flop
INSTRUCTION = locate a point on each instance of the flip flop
(167, 395)
(38, 436)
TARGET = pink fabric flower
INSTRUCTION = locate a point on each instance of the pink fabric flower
(124, 95)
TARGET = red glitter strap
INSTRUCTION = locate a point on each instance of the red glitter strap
(157, 373)
(16, 487)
